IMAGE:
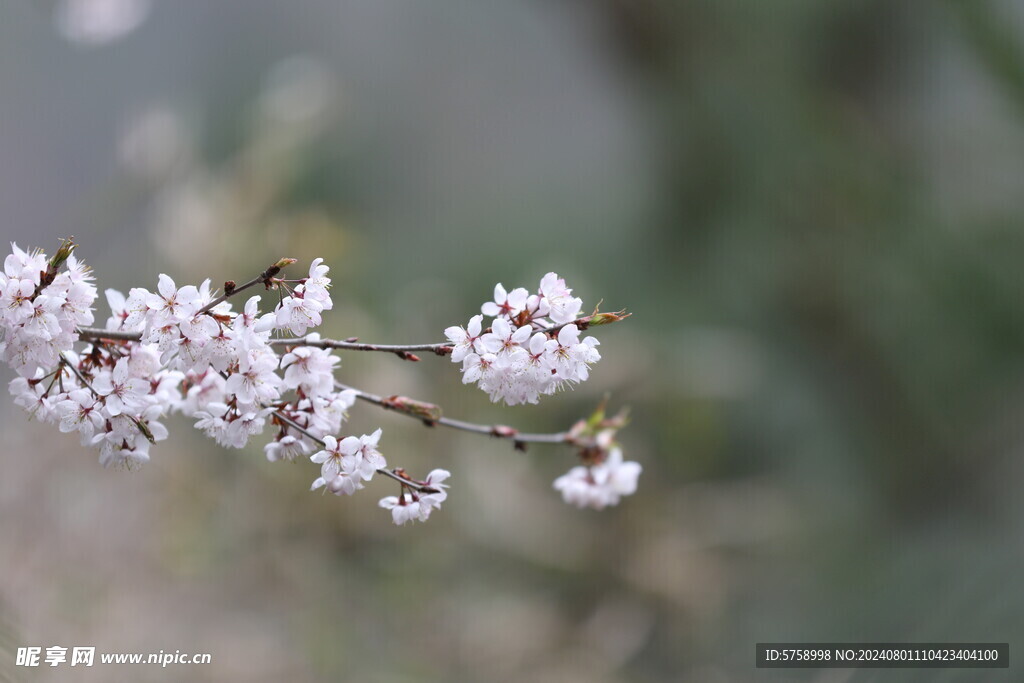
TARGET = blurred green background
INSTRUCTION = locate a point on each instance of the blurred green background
(814, 210)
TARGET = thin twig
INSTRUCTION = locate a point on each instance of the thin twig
(81, 378)
(231, 289)
(139, 424)
(498, 431)
(97, 334)
(403, 351)
(440, 348)
(227, 295)
(387, 473)
(356, 346)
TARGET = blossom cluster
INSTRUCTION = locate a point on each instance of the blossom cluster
(604, 477)
(230, 374)
(193, 355)
(184, 349)
(41, 308)
(599, 485)
(413, 506)
(532, 346)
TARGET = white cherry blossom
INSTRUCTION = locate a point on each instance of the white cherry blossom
(298, 313)
(256, 381)
(504, 337)
(171, 304)
(532, 346)
(222, 369)
(505, 304)
(562, 306)
(80, 412)
(600, 485)
(465, 339)
(287, 447)
(360, 455)
(317, 284)
(310, 369)
(120, 391)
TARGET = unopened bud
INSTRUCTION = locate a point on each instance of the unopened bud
(276, 268)
(62, 254)
(608, 318)
(53, 265)
(421, 409)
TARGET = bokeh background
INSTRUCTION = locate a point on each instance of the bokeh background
(814, 210)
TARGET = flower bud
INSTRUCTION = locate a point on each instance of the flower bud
(62, 254)
(608, 318)
(427, 411)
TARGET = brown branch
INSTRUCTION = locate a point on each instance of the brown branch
(63, 360)
(404, 351)
(264, 278)
(387, 473)
(499, 431)
(414, 409)
(98, 334)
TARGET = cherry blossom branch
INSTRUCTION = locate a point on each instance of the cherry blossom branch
(430, 415)
(284, 419)
(405, 351)
(387, 473)
(525, 352)
(264, 278)
(441, 349)
(139, 424)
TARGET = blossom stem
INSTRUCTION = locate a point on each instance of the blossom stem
(230, 289)
(81, 378)
(140, 425)
(97, 334)
(240, 288)
(387, 473)
(498, 431)
(441, 348)
(404, 351)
